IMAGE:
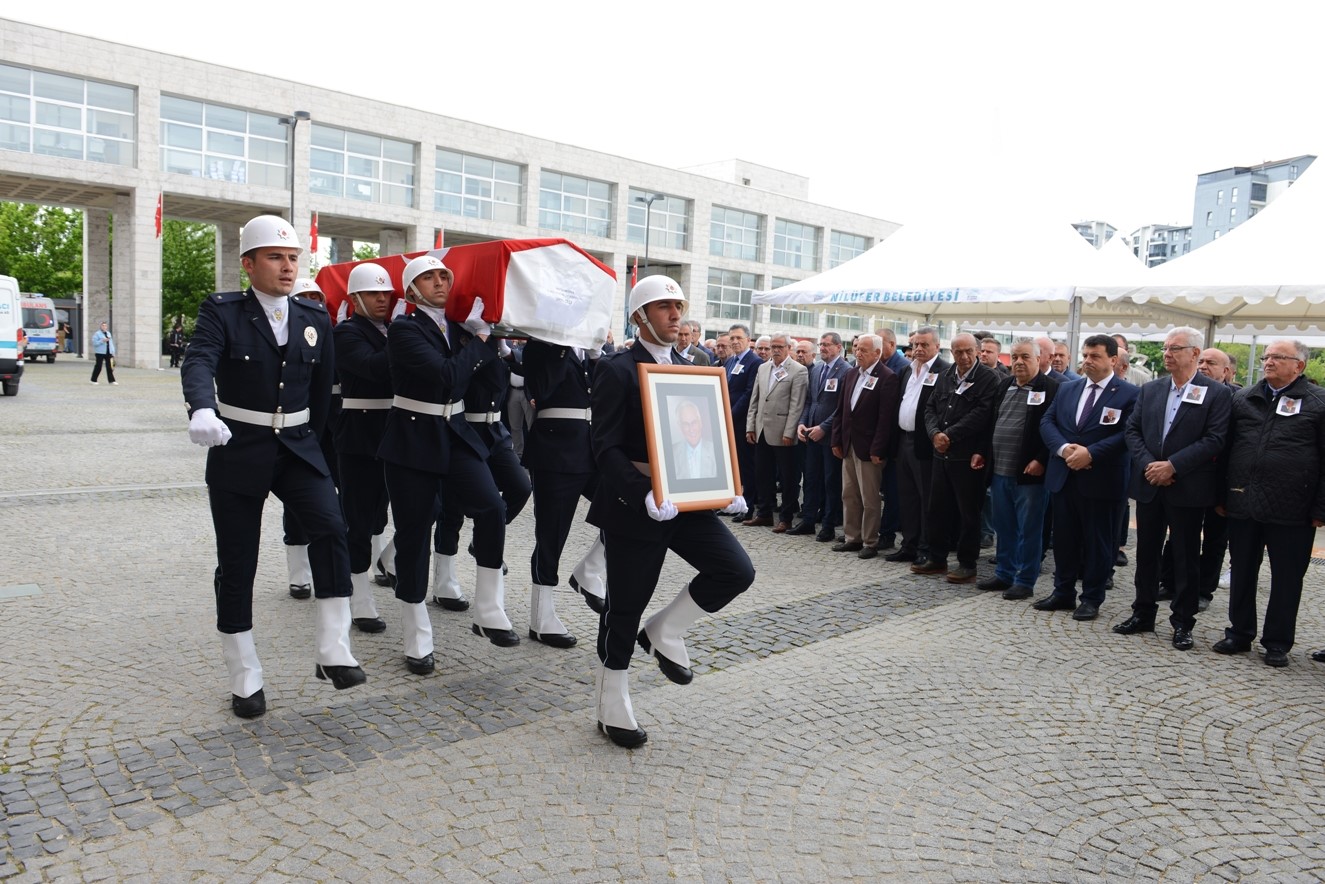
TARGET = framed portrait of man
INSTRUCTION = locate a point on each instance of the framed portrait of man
(692, 444)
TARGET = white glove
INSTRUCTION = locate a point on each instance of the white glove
(503, 348)
(658, 513)
(595, 353)
(207, 430)
(736, 507)
(474, 322)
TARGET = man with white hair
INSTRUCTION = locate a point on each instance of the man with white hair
(775, 409)
(1274, 499)
(862, 438)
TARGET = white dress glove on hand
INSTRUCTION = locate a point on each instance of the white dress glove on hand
(207, 430)
(736, 507)
(474, 322)
(658, 513)
(503, 348)
(594, 353)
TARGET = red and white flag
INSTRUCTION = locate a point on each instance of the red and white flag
(158, 215)
(312, 235)
(437, 240)
(634, 274)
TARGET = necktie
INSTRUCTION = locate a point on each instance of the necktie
(1090, 403)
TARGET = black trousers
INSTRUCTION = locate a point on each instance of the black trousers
(237, 519)
(745, 460)
(823, 484)
(914, 477)
(890, 522)
(511, 483)
(364, 496)
(633, 566)
(103, 359)
(1214, 546)
(1183, 525)
(1289, 547)
(774, 464)
(556, 497)
(1085, 543)
(956, 498)
(416, 502)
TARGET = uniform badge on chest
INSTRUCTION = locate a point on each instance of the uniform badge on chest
(310, 335)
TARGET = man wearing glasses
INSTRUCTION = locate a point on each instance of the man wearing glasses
(1274, 499)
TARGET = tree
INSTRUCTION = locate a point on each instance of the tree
(42, 247)
(188, 269)
(365, 251)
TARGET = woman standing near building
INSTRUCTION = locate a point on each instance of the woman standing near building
(103, 347)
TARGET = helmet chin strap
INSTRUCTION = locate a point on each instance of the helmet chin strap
(643, 316)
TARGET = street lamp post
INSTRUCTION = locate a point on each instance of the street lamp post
(293, 122)
(648, 234)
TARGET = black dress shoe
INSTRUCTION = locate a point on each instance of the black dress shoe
(1277, 659)
(737, 519)
(624, 738)
(300, 591)
(1054, 602)
(902, 555)
(1182, 639)
(1120, 559)
(868, 552)
(421, 665)
(993, 584)
(383, 577)
(341, 677)
(1318, 656)
(825, 535)
(674, 671)
(252, 706)
(451, 604)
(502, 638)
(1134, 624)
(925, 566)
(1230, 646)
(848, 546)
(1086, 611)
(597, 605)
(554, 639)
(800, 529)
(370, 624)
(1016, 593)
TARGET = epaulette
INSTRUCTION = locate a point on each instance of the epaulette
(227, 297)
(309, 302)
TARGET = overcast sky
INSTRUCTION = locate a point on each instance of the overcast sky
(1079, 111)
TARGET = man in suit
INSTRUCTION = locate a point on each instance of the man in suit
(862, 437)
(693, 455)
(891, 521)
(257, 384)
(1062, 361)
(957, 419)
(687, 343)
(640, 530)
(1175, 435)
(991, 353)
(775, 409)
(823, 469)
(742, 366)
(1015, 458)
(1046, 348)
(914, 451)
(1087, 476)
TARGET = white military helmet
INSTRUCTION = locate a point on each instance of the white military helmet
(417, 268)
(656, 288)
(304, 285)
(369, 277)
(268, 230)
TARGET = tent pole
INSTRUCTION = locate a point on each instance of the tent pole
(1211, 329)
(1074, 327)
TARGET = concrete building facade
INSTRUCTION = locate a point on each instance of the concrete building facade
(109, 129)
(1227, 197)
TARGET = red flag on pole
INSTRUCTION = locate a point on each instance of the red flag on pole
(312, 235)
(437, 240)
(634, 274)
(158, 215)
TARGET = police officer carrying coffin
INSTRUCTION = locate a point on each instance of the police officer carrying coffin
(265, 363)
(365, 383)
(639, 531)
(427, 441)
(559, 454)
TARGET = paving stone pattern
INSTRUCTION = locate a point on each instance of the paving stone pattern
(848, 720)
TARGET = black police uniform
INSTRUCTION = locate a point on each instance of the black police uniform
(234, 359)
(636, 544)
(558, 449)
(365, 380)
(428, 442)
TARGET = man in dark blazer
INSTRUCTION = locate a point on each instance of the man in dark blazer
(1015, 459)
(862, 437)
(1087, 476)
(640, 530)
(742, 366)
(1175, 436)
(257, 384)
(915, 452)
(688, 344)
(957, 419)
(823, 470)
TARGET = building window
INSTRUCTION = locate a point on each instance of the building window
(1219, 198)
(729, 295)
(789, 315)
(736, 234)
(222, 143)
(363, 167)
(1209, 219)
(1233, 196)
(844, 322)
(478, 187)
(1251, 213)
(842, 247)
(1217, 233)
(62, 116)
(1232, 217)
(574, 205)
(796, 245)
(669, 220)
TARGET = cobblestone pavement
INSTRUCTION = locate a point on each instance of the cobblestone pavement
(848, 720)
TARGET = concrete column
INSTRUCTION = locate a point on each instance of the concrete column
(342, 249)
(419, 238)
(302, 217)
(136, 279)
(228, 268)
(96, 274)
(391, 241)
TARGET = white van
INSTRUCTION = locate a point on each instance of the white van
(39, 325)
(11, 336)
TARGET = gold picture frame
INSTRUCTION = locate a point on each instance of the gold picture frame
(692, 444)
